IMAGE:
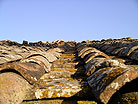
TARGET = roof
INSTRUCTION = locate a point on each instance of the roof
(72, 71)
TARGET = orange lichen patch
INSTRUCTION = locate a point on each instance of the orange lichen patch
(61, 83)
(64, 69)
(58, 69)
(60, 101)
(129, 98)
(54, 93)
(62, 87)
(71, 70)
(64, 65)
(86, 102)
(67, 55)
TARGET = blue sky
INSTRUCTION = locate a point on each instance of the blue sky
(35, 20)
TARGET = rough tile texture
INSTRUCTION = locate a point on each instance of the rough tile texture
(87, 72)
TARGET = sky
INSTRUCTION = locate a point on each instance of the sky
(48, 20)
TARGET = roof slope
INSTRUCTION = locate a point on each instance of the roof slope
(61, 69)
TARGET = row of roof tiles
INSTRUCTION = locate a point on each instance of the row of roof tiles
(105, 74)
